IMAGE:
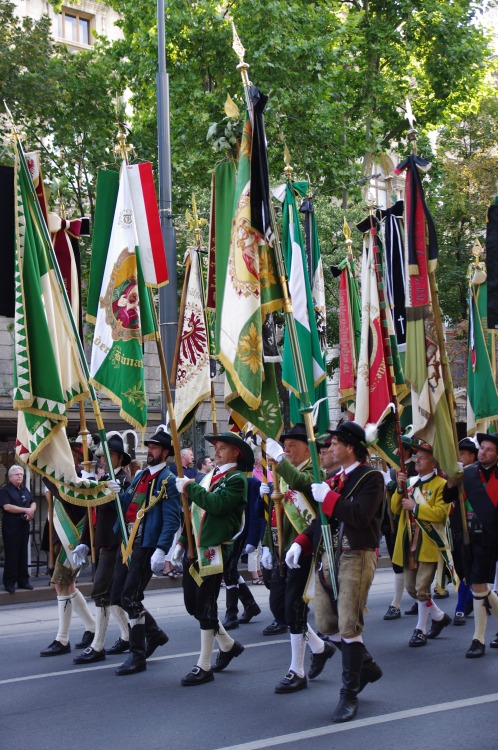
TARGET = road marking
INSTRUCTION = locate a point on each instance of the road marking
(99, 667)
(411, 713)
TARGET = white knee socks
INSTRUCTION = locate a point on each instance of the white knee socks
(122, 619)
(298, 648)
(65, 606)
(81, 608)
(101, 623)
(207, 645)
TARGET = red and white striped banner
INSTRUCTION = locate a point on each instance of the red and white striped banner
(150, 240)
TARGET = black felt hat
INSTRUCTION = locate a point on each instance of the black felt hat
(297, 432)
(351, 432)
(467, 444)
(492, 437)
(163, 439)
(246, 462)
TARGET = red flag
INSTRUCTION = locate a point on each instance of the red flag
(150, 239)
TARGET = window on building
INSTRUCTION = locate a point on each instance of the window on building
(74, 27)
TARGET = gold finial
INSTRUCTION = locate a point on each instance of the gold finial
(370, 201)
(477, 269)
(239, 50)
(288, 170)
(122, 149)
(412, 134)
(231, 109)
(477, 249)
(349, 242)
(195, 224)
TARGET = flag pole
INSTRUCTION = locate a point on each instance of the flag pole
(76, 337)
(306, 407)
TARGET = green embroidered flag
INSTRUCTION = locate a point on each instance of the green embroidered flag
(482, 394)
(251, 292)
(304, 314)
(124, 317)
(48, 372)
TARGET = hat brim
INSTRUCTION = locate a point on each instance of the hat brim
(481, 436)
(169, 448)
(424, 449)
(294, 436)
(237, 442)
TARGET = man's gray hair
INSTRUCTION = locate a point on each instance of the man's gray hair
(14, 468)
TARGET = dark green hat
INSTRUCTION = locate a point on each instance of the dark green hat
(246, 461)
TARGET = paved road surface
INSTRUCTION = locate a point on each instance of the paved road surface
(429, 698)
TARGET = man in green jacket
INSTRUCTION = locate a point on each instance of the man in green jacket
(217, 517)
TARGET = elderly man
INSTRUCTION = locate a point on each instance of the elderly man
(18, 508)
(414, 549)
(288, 584)
(217, 518)
(151, 507)
(480, 482)
(187, 459)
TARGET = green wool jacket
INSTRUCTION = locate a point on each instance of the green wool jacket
(224, 504)
(297, 479)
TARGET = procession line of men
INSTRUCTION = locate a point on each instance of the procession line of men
(351, 500)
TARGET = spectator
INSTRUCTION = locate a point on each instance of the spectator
(18, 508)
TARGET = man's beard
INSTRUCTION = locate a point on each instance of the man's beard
(151, 461)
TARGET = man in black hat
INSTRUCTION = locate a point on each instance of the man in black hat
(288, 583)
(107, 542)
(151, 507)
(352, 500)
(468, 455)
(480, 482)
(217, 519)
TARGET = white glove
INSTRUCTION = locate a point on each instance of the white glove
(114, 485)
(87, 474)
(274, 450)
(320, 491)
(387, 476)
(293, 555)
(157, 561)
(80, 553)
(264, 489)
(249, 548)
(459, 467)
(181, 482)
(266, 558)
(177, 556)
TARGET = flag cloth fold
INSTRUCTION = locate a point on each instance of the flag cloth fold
(304, 314)
(124, 317)
(315, 269)
(423, 363)
(349, 331)
(251, 289)
(48, 373)
(193, 381)
(482, 393)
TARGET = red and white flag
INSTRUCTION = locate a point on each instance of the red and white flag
(148, 226)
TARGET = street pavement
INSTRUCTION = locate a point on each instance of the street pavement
(430, 697)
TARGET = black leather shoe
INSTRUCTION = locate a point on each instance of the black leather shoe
(345, 711)
(475, 650)
(10, 589)
(438, 625)
(86, 640)
(494, 642)
(318, 660)
(89, 656)
(418, 639)
(27, 587)
(225, 657)
(393, 613)
(120, 647)
(413, 609)
(154, 640)
(230, 622)
(249, 612)
(275, 628)
(291, 683)
(197, 676)
(459, 619)
(55, 649)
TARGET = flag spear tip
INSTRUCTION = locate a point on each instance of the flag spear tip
(122, 149)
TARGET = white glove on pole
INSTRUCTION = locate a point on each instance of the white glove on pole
(249, 548)
(157, 561)
(177, 556)
(320, 491)
(293, 555)
(266, 558)
(264, 489)
(80, 553)
(114, 485)
(181, 482)
(274, 450)
(387, 476)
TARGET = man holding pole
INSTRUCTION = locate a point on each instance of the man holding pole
(288, 586)
(151, 506)
(480, 482)
(352, 499)
(217, 518)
